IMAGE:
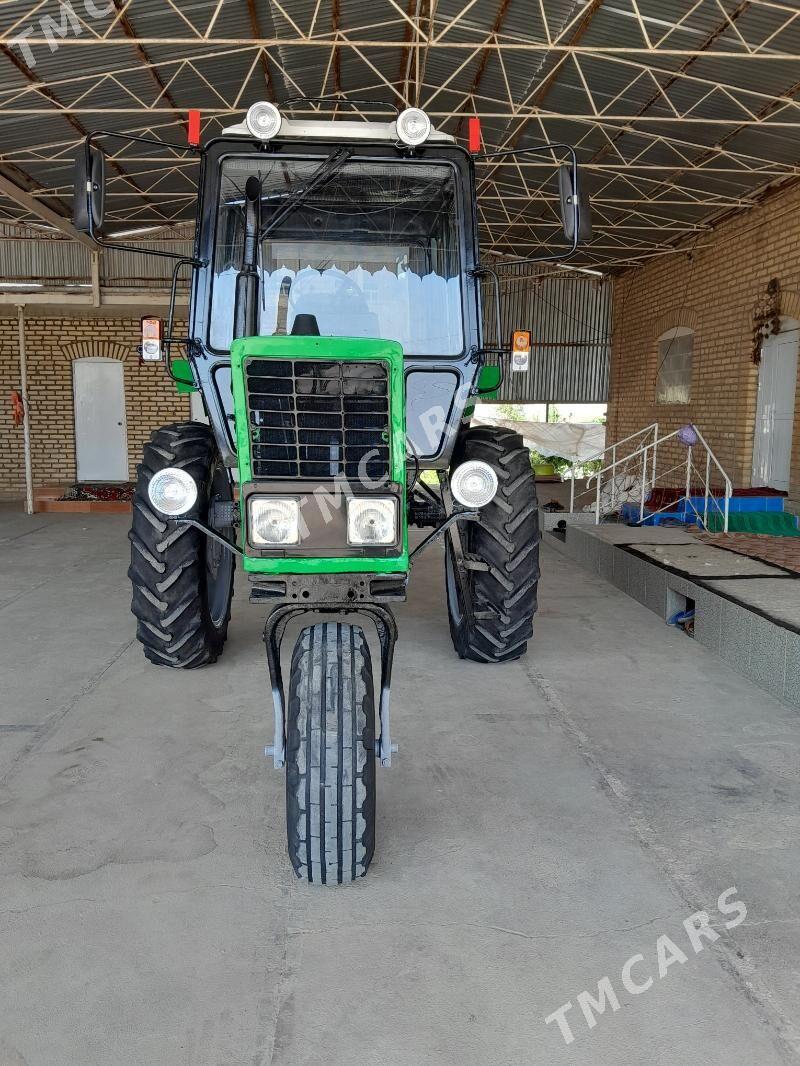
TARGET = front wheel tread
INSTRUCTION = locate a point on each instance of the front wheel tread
(330, 755)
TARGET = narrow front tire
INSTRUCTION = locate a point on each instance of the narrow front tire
(330, 755)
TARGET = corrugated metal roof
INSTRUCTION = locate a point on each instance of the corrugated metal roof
(680, 111)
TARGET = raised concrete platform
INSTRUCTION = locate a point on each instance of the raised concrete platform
(746, 611)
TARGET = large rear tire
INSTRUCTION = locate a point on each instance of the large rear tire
(502, 551)
(182, 580)
(330, 755)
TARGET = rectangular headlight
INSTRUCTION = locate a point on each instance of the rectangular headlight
(371, 520)
(274, 522)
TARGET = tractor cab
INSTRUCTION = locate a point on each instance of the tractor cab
(355, 229)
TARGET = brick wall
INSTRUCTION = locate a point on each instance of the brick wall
(52, 343)
(714, 289)
(12, 477)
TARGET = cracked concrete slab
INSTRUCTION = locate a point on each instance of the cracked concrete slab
(618, 533)
(706, 562)
(778, 597)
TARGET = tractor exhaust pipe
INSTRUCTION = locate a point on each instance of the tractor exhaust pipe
(245, 314)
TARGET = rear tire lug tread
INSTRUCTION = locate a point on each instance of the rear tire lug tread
(506, 541)
(168, 567)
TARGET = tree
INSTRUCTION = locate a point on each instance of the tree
(512, 411)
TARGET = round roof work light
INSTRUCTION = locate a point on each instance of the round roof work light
(413, 127)
(263, 120)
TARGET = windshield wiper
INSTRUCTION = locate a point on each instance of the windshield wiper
(298, 196)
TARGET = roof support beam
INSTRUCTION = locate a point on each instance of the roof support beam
(336, 56)
(429, 14)
(42, 211)
(770, 56)
(255, 26)
(765, 112)
(48, 94)
(643, 77)
(410, 28)
(497, 26)
(130, 33)
(576, 34)
(540, 95)
(706, 45)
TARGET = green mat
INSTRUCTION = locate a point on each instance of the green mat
(776, 523)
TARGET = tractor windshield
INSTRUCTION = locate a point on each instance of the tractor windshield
(370, 248)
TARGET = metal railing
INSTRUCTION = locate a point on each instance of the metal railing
(629, 474)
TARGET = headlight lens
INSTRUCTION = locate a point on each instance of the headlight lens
(263, 120)
(474, 483)
(274, 522)
(413, 126)
(372, 520)
(172, 491)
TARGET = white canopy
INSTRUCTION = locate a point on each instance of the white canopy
(576, 441)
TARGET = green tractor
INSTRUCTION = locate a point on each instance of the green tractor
(336, 336)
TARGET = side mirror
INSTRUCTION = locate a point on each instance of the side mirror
(576, 212)
(90, 189)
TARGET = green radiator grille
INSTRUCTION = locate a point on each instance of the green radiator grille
(311, 418)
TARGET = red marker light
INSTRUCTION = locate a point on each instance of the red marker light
(194, 129)
(474, 135)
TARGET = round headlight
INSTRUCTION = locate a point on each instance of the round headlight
(413, 126)
(172, 491)
(263, 120)
(474, 483)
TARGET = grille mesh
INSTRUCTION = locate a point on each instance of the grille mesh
(311, 418)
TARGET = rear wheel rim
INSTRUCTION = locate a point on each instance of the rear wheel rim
(453, 594)
(219, 561)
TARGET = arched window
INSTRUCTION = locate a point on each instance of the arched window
(674, 374)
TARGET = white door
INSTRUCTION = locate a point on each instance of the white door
(101, 442)
(777, 382)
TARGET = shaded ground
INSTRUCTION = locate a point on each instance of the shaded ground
(544, 822)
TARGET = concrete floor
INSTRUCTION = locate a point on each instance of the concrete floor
(545, 821)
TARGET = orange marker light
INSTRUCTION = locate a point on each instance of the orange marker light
(520, 350)
(152, 336)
